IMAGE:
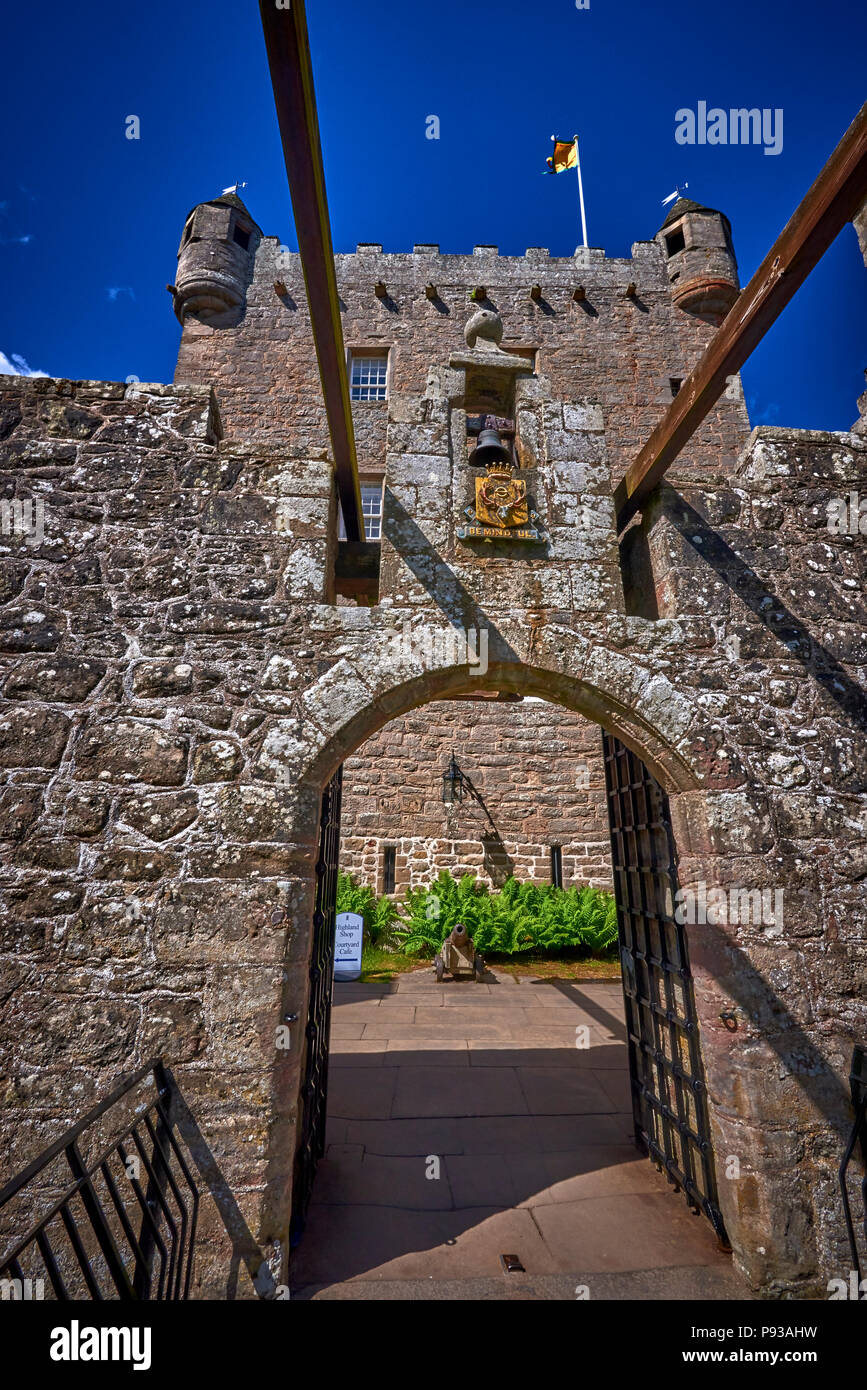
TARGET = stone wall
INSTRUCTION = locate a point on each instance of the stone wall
(622, 351)
(177, 686)
(170, 581)
(785, 720)
(538, 773)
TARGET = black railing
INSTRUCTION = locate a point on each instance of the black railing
(858, 1137)
(125, 1227)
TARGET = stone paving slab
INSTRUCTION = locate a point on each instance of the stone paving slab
(561, 1090)
(427, 1091)
(534, 1141)
(616, 1086)
(349, 1052)
(689, 1283)
(339, 1029)
(356, 992)
(428, 1052)
(539, 1051)
(409, 1032)
(475, 1182)
(373, 1011)
(361, 1093)
(439, 1135)
(396, 1182)
(605, 1171)
(625, 1232)
(373, 1243)
(469, 1014)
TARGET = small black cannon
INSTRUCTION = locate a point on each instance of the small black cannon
(459, 957)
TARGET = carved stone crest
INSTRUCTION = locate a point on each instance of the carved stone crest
(501, 498)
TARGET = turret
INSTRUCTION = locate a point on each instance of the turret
(697, 245)
(215, 261)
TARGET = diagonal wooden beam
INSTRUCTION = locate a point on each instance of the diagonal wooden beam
(288, 48)
(831, 202)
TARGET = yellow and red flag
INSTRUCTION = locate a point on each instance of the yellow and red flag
(565, 156)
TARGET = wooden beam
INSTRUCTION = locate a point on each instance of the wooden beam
(831, 202)
(288, 49)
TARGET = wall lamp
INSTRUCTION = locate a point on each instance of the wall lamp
(455, 784)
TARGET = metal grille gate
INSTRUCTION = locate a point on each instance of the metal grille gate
(668, 1089)
(314, 1090)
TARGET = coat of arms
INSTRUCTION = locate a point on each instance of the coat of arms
(501, 498)
(502, 511)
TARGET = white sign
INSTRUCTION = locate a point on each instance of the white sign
(347, 946)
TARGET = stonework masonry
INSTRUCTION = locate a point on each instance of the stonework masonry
(621, 350)
(178, 684)
(539, 781)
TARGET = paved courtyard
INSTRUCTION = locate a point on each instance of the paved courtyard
(464, 1123)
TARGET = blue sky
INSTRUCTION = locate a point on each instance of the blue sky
(90, 221)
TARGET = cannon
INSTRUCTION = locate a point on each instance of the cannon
(459, 957)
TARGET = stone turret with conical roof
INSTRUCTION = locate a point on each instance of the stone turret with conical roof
(697, 244)
(215, 261)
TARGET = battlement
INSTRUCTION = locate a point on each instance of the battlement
(610, 328)
(370, 252)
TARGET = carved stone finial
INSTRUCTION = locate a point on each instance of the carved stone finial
(484, 324)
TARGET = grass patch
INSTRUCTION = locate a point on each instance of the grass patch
(377, 964)
(559, 969)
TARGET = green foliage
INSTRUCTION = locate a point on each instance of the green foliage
(378, 914)
(522, 917)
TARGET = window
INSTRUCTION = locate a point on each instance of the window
(675, 242)
(675, 382)
(241, 236)
(367, 378)
(556, 866)
(389, 860)
(371, 510)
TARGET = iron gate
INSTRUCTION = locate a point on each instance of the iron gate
(668, 1089)
(314, 1090)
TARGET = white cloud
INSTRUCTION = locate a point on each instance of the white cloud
(16, 366)
(113, 291)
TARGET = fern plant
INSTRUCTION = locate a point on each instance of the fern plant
(378, 914)
(522, 917)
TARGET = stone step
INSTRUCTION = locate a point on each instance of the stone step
(689, 1283)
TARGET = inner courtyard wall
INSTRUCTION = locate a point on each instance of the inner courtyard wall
(538, 778)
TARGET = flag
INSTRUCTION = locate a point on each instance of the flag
(565, 156)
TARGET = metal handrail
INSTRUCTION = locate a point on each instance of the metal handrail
(154, 1225)
(858, 1086)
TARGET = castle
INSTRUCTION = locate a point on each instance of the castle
(192, 653)
(242, 304)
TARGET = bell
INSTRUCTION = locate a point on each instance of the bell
(490, 449)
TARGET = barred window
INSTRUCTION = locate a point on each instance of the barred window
(389, 868)
(557, 866)
(367, 378)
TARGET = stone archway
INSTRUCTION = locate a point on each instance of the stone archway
(638, 706)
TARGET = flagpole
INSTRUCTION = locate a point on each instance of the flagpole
(580, 191)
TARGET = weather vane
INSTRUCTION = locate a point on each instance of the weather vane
(676, 194)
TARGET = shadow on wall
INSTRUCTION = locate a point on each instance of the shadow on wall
(497, 863)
